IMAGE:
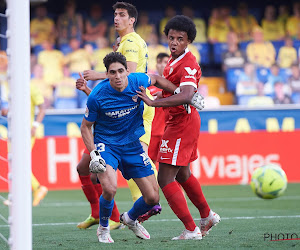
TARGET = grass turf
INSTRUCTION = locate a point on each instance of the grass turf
(245, 220)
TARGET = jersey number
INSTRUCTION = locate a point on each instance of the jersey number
(100, 147)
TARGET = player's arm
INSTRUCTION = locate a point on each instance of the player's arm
(41, 113)
(39, 118)
(97, 163)
(183, 97)
(131, 66)
(93, 75)
(162, 83)
(87, 134)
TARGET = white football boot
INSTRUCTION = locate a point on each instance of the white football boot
(135, 227)
(189, 235)
(207, 223)
(103, 234)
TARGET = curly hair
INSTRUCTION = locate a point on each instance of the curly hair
(114, 57)
(182, 23)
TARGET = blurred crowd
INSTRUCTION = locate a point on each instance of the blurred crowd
(258, 59)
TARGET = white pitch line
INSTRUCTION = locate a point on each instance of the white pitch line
(129, 202)
(176, 220)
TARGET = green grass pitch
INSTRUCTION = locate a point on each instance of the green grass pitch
(245, 220)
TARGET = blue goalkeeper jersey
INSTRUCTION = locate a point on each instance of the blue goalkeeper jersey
(118, 116)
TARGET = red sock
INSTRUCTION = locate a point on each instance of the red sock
(98, 189)
(178, 204)
(115, 216)
(193, 190)
(91, 194)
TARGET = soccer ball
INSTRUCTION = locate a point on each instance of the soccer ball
(269, 181)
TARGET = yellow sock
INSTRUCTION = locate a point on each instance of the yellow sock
(34, 183)
(134, 189)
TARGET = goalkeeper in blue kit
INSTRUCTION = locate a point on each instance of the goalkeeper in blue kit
(116, 113)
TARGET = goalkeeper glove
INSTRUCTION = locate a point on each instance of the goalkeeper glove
(198, 101)
(97, 163)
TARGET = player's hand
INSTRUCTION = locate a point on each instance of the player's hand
(97, 163)
(142, 94)
(198, 101)
(81, 83)
(157, 95)
(90, 75)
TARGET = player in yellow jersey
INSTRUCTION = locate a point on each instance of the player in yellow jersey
(134, 48)
(37, 100)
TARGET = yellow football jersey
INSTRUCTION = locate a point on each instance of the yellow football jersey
(36, 99)
(273, 31)
(292, 27)
(43, 30)
(287, 56)
(134, 48)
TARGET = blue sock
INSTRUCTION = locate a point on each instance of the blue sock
(106, 208)
(140, 207)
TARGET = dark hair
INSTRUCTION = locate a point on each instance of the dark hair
(131, 9)
(114, 57)
(161, 55)
(181, 23)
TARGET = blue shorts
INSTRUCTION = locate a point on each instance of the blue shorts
(131, 159)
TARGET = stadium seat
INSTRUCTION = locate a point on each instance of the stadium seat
(81, 99)
(215, 84)
(244, 99)
(296, 98)
(37, 49)
(243, 46)
(262, 74)
(166, 45)
(285, 74)
(204, 50)
(65, 49)
(232, 76)
(297, 44)
(218, 50)
(225, 98)
(93, 44)
(65, 103)
(75, 75)
(277, 45)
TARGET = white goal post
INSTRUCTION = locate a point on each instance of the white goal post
(18, 52)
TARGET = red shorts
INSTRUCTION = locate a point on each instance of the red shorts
(179, 142)
(86, 151)
(154, 147)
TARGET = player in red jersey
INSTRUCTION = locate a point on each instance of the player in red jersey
(179, 143)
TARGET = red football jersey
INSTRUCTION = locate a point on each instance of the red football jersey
(179, 142)
(184, 70)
